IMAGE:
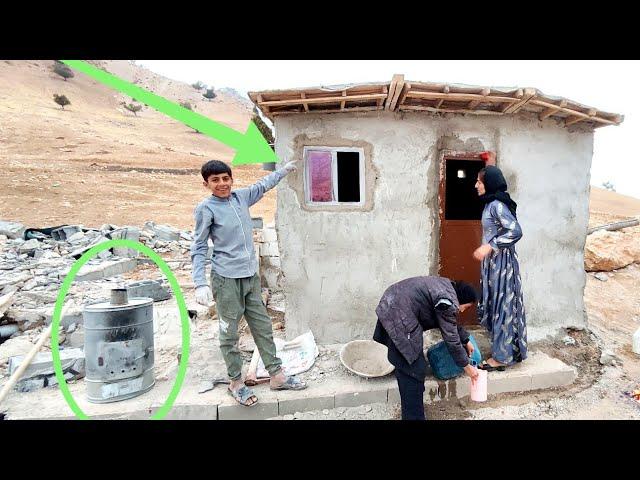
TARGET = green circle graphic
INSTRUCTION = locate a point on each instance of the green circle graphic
(57, 312)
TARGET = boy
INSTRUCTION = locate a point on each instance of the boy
(224, 217)
(406, 309)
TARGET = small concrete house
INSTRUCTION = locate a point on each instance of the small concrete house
(385, 191)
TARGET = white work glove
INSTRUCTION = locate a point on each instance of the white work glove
(290, 166)
(203, 295)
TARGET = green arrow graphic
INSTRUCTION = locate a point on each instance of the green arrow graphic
(250, 147)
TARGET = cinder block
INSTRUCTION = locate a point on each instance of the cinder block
(271, 262)
(360, 398)
(193, 412)
(269, 249)
(42, 364)
(270, 235)
(270, 277)
(293, 405)
(393, 395)
(154, 289)
(120, 267)
(105, 269)
(505, 382)
(550, 379)
(260, 411)
(128, 233)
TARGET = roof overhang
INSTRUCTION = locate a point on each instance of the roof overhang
(401, 95)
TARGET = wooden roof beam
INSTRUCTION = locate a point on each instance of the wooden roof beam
(591, 114)
(380, 100)
(474, 103)
(440, 102)
(527, 95)
(551, 110)
(298, 101)
(575, 113)
(460, 97)
(397, 83)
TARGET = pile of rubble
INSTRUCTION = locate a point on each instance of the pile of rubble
(34, 263)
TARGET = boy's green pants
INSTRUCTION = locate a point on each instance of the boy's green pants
(236, 297)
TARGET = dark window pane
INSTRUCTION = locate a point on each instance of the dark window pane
(348, 177)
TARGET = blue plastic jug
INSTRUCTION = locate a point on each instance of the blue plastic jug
(442, 363)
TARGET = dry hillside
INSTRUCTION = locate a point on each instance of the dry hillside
(95, 162)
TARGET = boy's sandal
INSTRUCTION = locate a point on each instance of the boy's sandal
(243, 395)
(291, 383)
(490, 368)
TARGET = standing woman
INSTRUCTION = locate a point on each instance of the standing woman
(501, 307)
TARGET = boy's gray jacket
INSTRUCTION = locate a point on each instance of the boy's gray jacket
(227, 222)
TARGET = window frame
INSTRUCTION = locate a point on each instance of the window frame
(334, 175)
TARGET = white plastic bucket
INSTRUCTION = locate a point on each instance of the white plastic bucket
(479, 387)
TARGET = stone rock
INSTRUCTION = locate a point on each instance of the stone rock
(606, 251)
(42, 364)
(325, 411)
(163, 233)
(66, 232)
(126, 233)
(76, 339)
(568, 340)
(29, 246)
(607, 358)
(30, 285)
(5, 302)
(76, 237)
(12, 229)
(13, 347)
(368, 408)
(71, 328)
(30, 384)
(205, 386)
(603, 277)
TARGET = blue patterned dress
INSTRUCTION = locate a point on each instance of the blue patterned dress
(501, 308)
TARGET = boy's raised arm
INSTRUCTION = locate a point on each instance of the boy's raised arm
(255, 192)
(199, 246)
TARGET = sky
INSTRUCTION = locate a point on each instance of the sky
(608, 85)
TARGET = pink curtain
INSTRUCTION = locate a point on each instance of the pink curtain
(319, 163)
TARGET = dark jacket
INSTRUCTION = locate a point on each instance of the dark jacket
(408, 307)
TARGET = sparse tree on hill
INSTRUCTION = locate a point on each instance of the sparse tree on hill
(188, 106)
(609, 186)
(61, 100)
(265, 130)
(198, 85)
(133, 107)
(62, 70)
(209, 94)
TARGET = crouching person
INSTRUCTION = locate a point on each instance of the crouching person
(408, 308)
(235, 282)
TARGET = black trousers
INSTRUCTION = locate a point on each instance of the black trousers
(410, 377)
(411, 392)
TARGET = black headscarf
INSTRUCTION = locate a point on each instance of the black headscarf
(496, 188)
(465, 292)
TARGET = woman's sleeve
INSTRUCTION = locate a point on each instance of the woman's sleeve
(510, 232)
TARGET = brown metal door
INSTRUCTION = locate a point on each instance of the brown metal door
(460, 227)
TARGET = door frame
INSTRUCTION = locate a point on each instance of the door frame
(443, 156)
